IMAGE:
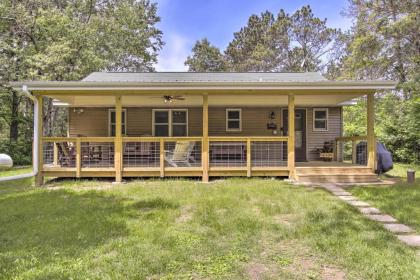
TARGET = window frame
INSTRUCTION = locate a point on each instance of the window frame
(170, 122)
(314, 119)
(124, 121)
(227, 119)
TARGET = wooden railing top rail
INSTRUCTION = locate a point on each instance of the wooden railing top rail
(168, 139)
(82, 139)
(252, 138)
(351, 138)
(157, 139)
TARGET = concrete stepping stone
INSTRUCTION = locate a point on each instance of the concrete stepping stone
(410, 240)
(346, 197)
(381, 218)
(341, 193)
(357, 203)
(369, 210)
(398, 228)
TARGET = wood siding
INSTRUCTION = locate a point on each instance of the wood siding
(316, 139)
(94, 122)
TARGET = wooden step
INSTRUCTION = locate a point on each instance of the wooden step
(337, 178)
(332, 170)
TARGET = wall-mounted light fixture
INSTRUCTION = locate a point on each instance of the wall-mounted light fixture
(78, 110)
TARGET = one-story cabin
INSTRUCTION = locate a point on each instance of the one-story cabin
(207, 124)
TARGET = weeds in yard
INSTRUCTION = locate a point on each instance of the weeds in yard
(181, 229)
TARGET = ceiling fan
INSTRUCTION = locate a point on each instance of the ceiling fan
(170, 98)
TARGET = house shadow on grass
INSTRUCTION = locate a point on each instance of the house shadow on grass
(51, 225)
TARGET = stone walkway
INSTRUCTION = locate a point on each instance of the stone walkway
(403, 232)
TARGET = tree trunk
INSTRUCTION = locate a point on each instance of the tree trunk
(14, 118)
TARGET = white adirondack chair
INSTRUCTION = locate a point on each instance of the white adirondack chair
(181, 154)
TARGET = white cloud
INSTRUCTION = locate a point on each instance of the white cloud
(173, 54)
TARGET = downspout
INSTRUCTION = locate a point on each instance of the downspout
(35, 158)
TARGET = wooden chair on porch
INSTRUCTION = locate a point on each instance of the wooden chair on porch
(181, 154)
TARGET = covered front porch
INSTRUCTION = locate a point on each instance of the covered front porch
(202, 156)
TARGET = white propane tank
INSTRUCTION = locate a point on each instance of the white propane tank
(5, 161)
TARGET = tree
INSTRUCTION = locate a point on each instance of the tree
(297, 43)
(68, 39)
(385, 44)
(205, 58)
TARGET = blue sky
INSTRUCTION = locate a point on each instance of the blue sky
(183, 22)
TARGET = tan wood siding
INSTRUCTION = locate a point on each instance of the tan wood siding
(94, 122)
(316, 139)
(254, 121)
(90, 122)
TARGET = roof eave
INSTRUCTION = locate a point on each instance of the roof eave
(76, 85)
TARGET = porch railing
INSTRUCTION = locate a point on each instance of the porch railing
(164, 156)
(352, 149)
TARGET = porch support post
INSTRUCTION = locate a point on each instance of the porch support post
(205, 144)
(118, 140)
(39, 179)
(291, 132)
(371, 145)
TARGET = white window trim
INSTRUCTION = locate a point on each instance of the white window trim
(326, 119)
(169, 119)
(227, 120)
(124, 121)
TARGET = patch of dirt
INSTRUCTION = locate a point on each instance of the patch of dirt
(186, 214)
(256, 271)
(332, 273)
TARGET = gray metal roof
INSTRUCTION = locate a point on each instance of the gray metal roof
(194, 77)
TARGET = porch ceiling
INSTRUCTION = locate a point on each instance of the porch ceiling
(157, 100)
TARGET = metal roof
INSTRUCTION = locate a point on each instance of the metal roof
(197, 77)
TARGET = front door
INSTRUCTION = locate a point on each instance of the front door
(300, 132)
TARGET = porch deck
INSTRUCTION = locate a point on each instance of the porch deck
(182, 156)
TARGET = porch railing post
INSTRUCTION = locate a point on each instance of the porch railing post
(353, 151)
(371, 145)
(78, 157)
(248, 157)
(291, 140)
(162, 157)
(55, 153)
(39, 179)
(118, 140)
(205, 145)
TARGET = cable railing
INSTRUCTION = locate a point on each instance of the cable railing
(352, 149)
(160, 154)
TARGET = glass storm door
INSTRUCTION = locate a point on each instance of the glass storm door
(300, 132)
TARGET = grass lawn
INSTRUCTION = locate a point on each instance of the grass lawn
(400, 200)
(182, 229)
(16, 171)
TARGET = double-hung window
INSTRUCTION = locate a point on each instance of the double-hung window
(233, 120)
(320, 119)
(170, 122)
(112, 122)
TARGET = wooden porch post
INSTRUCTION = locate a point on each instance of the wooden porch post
(39, 179)
(291, 141)
(118, 140)
(205, 144)
(371, 145)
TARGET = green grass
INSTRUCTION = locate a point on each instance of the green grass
(182, 229)
(15, 171)
(400, 200)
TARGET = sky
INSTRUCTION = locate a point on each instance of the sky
(183, 22)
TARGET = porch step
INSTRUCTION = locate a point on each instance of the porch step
(333, 170)
(335, 175)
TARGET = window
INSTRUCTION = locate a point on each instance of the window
(233, 120)
(170, 122)
(320, 120)
(111, 122)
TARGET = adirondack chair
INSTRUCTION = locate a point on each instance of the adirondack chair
(181, 154)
